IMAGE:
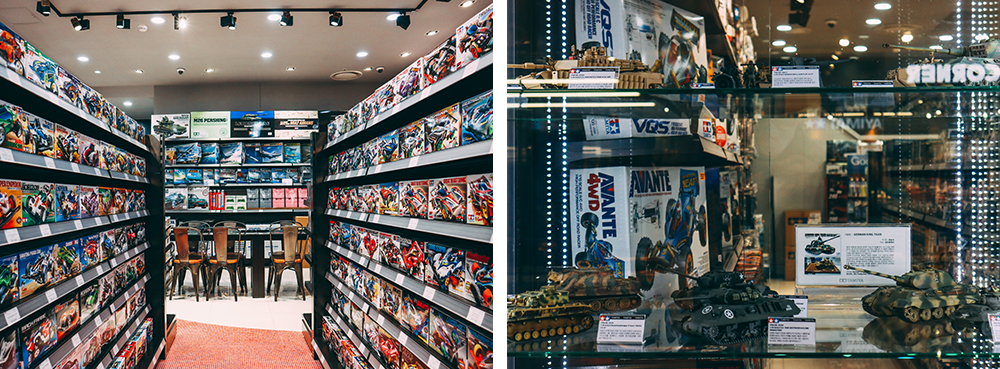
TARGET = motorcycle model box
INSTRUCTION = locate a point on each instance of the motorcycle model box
(639, 221)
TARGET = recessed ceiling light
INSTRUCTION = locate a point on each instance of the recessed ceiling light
(174, 57)
(790, 49)
(362, 54)
(906, 38)
(368, 69)
(209, 70)
(946, 37)
(138, 71)
(274, 17)
(883, 6)
(128, 103)
(290, 69)
(405, 54)
(97, 72)
(467, 3)
(873, 21)
(844, 42)
(82, 58)
(784, 28)
(157, 20)
(266, 55)
(432, 33)
(936, 47)
(778, 43)
(392, 17)
(861, 48)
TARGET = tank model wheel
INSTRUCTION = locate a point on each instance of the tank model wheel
(634, 302)
(576, 328)
(543, 333)
(925, 314)
(624, 304)
(552, 332)
(534, 334)
(587, 322)
(948, 328)
(911, 314)
(610, 305)
(595, 306)
(949, 310)
(561, 331)
(710, 332)
(518, 336)
(938, 313)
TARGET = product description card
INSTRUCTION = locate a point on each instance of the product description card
(802, 302)
(795, 76)
(830, 254)
(620, 329)
(604, 78)
(791, 331)
(995, 327)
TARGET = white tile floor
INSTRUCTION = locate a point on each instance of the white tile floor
(263, 313)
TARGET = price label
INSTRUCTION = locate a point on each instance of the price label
(100, 269)
(12, 316)
(377, 269)
(51, 295)
(381, 320)
(433, 363)
(49, 163)
(403, 339)
(45, 365)
(210, 182)
(79, 280)
(621, 329)
(11, 235)
(802, 302)
(399, 279)
(78, 224)
(471, 68)
(100, 220)
(476, 316)
(6, 155)
(76, 340)
(412, 224)
(97, 171)
(116, 348)
(791, 331)
(99, 320)
(376, 218)
(286, 181)
(413, 161)
(378, 168)
(100, 366)
(44, 228)
(75, 166)
(429, 293)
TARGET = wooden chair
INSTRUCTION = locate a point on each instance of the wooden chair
(295, 238)
(187, 260)
(233, 262)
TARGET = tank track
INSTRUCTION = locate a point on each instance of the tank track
(734, 333)
(611, 304)
(915, 315)
(549, 327)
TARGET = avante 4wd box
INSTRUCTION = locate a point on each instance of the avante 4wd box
(638, 220)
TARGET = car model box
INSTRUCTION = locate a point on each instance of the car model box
(447, 199)
(623, 217)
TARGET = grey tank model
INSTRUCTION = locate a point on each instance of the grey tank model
(726, 309)
(919, 295)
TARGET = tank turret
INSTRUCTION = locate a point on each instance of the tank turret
(598, 288)
(919, 295)
(545, 313)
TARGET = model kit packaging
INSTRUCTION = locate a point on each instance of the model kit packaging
(38, 336)
(475, 37)
(39, 69)
(121, 199)
(88, 201)
(107, 244)
(172, 125)
(448, 337)
(291, 198)
(227, 175)
(189, 153)
(92, 251)
(241, 175)
(412, 141)
(106, 197)
(480, 350)
(253, 175)
(180, 176)
(603, 128)
(447, 199)
(389, 250)
(266, 201)
(65, 204)
(209, 153)
(479, 209)
(89, 152)
(231, 153)
(408, 82)
(293, 153)
(197, 198)
(388, 348)
(443, 129)
(194, 176)
(12, 58)
(443, 266)
(459, 282)
(416, 316)
(43, 132)
(176, 199)
(388, 198)
(370, 245)
(293, 174)
(392, 299)
(253, 198)
(67, 261)
(67, 142)
(479, 278)
(440, 62)
(272, 152)
(67, 317)
(477, 118)
(88, 299)
(388, 148)
(10, 358)
(10, 287)
(36, 269)
(12, 203)
(16, 130)
(621, 216)
(251, 153)
(371, 153)
(413, 257)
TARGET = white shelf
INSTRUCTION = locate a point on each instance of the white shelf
(22, 158)
(15, 235)
(474, 150)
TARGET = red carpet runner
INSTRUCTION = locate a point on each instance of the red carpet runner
(218, 347)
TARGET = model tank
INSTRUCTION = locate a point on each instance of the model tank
(895, 335)
(598, 288)
(633, 73)
(919, 295)
(977, 315)
(820, 246)
(725, 309)
(545, 313)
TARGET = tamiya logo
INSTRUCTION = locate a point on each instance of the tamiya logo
(601, 194)
(605, 318)
(994, 318)
(772, 320)
(613, 127)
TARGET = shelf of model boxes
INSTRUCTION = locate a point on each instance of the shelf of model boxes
(73, 216)
(403, 217)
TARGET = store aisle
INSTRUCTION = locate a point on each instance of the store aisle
(213, 346)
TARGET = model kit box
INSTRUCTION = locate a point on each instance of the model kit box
(67, 144)
(15, 127)
(209, 153)
(176, 199)
(412, 141)
(11, 286)
(408, 82)
(388, 147)
(231, 153)
(606, 128)
(440, 62)
(389, 198)
(479, 278)
(189, 153)
(413, 257)
(475, 37)
(477, 118)
(391, 252)
(38, 336)
(416, 316)
(197, 198)
(444, 267)
(448, 338)
(479, 208)
(253, 198)
(67, 260)
(66, 204)
(622, 216)
(12, 203)
(793, 217)
(37, 269)
(45, 137)
(443, 129)
(272, 152)
(67, 317)
(293, 153)
(39, 69)
(447, 199)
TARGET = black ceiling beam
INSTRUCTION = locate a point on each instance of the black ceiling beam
(228, 10)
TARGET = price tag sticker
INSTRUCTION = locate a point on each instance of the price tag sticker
(100, 269)
(377, 269)
(44, 228)
(75, 166)
(471, 68)
(476, 316)
(286, 181)
(376, 218)
(381, 320)
(412, 224)
(403, 339)
(12, 316)
(399, 279)
(97, 171)
(45, 365)
(433, 363)
(11, 235)
(100, 220)
(413, 161)
(49, 163)
(378, 168)
(621, 329)
(76, 340)
(429, 293)
(78, 224)
(802, 302)
(79, 280)
(99, 320)
(6, 155)
(51, 295)
(791, 331)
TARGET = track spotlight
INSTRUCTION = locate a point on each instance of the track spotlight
(123, 23)
(286, 19)
(403, 21)
(180, 22)
(44, 7)
(228, 21)
(336, 19)
(80, 24)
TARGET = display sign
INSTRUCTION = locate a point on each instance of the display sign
(579, 78)
(601, 23)
(871, 83)
(252, 123)
(621, 329)
(171, 125)
(795, 76)
(964, 73)
(822, 251)
(210, 124)
(995, 326)
(295, 123)
(606, 128)
(791, 331)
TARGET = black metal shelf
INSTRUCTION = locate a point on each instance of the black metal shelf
(292, 165)
(687, 150)
(463, 231)
(123, 337)
(418, 350)
(15, 235)
(359, 343)
(475, 150)
(930, 220)
(471, 314)
(38, 161)
(40, 299)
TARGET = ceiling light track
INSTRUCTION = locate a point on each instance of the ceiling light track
(56, 11)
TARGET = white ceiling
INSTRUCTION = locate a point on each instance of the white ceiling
(315, 49)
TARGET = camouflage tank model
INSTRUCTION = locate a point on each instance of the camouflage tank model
(895, 335)
(545, 313)
(820, 246)
(822, 266)
(598, 288)
(919, 295)
(977, 315)
(726, 309)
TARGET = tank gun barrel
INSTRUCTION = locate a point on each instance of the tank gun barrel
(956, 52)
(872, 272)
(527, 66)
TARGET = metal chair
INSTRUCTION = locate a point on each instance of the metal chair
(290, 257)
(187, 260)
(233, 262)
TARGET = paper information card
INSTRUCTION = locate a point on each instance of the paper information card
(791, 331)
(621, 329)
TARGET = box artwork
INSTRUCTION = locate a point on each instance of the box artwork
(89, 203)
(67, 204)
(388, 199)
(231, 153)
(209, 153)
(88, 299)
(91, 253)
(407, 82)
(440, 62)
(106, 197)
(443, 129)
(37, 337)
(251, 153)
(477, 118)
(480, 204)
(391, 299)
(410, 361)
(89, 152)
(107, 244)
(293, 153)
(448, 337)
(67, 144)
(412, 141)
(370, 288)
(371, 152)
(389, 348)
(16, 130)
(475, 37)
(68, 261)
(480, 350)
(43, 136)
(194, 176)
(197, 198)
(390, 252)
(447, 199)
(39, 69)
(176, 199)
(67, 317)
(413, 257)
(11, 204)
(415, 316)
(10, 286)
(479, 278)
(621, 216)
(9, 357)
(444, 267)
(121, 200)
(388, 148)
(272, 152)
(36, 268)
